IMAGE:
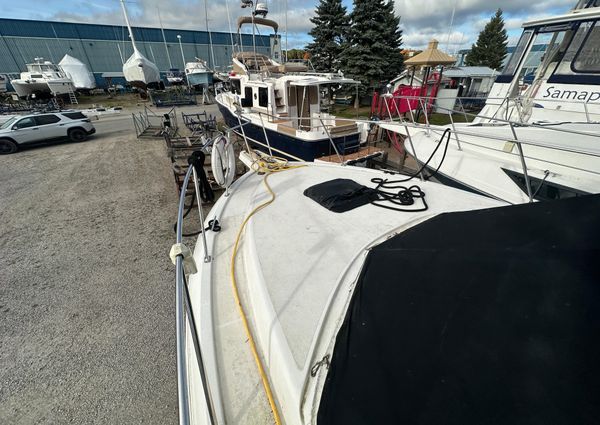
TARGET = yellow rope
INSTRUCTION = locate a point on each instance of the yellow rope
(268, 166)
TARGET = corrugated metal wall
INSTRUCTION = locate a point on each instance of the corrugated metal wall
(104, 47)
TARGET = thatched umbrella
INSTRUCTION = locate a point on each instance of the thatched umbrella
(429, 58)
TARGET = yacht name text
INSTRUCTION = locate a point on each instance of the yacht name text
(554, 93)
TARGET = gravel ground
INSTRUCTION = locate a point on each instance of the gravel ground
(87, 306)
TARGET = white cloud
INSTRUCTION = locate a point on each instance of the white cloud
(421, 20)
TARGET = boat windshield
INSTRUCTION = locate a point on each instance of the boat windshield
(583, 55)
(8, 123)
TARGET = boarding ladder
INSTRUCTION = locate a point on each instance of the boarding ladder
(72, 97)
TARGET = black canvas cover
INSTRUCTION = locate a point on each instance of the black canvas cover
(340, 195)
(481, 317)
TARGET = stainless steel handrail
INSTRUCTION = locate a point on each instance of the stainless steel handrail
(182, 306)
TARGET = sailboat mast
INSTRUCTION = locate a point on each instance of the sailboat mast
(128, 25)
(164, 39)
(286, 31)
(212, 54)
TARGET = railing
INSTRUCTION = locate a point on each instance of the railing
(512, 125)
(147, 119)
(506, 107)
(185, 313)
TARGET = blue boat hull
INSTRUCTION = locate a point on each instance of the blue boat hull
(306, 150)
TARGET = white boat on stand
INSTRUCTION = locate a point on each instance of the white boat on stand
(535, 143)
(78, 72)
(43, 78)
(138, 70)
(345, 307)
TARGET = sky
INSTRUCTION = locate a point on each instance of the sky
(420, 20)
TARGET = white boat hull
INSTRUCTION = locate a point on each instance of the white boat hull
(139, 71)
(485, 152)
(25, 88)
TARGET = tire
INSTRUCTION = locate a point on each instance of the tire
(77, 135)
(7, 146)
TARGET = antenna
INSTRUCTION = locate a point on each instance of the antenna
(164, 39)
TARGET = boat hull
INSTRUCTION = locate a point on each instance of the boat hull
(307, 150)
(200, 78)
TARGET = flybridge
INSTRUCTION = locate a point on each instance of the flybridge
(554, 92)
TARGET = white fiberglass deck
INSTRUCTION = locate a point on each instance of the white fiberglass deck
(572, 159)
(296, 268)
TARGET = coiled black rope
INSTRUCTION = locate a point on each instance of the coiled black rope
(405, 196)
(196, 160)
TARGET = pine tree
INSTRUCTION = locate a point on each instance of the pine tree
(329, 35)
(490, 49)
(374, 40)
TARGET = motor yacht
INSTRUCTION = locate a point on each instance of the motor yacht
(327, 294)
(42, 78)
(198, 74)
(286, 107)
(538, 142)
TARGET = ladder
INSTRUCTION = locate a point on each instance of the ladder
(72, 97)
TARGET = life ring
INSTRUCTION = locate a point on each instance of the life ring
(222, 161)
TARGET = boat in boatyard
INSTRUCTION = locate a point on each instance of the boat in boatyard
(139, 71)
(555, 121)
(78, 72)
(198, 74)
(175, 76)
(324, 297)
(43, 78)
(283, 106)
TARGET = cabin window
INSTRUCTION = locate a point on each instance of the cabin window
(263, 97)
(580, 63)
(247, 100)
(236, 86)
(588, 56)
(509, 70)
(543, 190)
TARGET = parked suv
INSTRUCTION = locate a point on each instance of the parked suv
(35, 128)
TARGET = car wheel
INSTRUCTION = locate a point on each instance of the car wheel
(77, 135)
(7, 146)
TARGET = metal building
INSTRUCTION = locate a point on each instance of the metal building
(104, 48)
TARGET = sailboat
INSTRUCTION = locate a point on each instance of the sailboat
(79, 73)
(138, 70)
(530, 142)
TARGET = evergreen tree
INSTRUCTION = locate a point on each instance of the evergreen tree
(490, 49)
(373, 52)
(329, 34)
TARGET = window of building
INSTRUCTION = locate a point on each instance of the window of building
(263, 97)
